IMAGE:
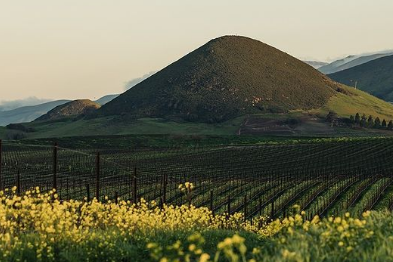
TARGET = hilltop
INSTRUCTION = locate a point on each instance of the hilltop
(374, 77)
(73, 109)
(229, 86)
(225, 78)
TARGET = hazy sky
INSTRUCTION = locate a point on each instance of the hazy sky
(89, 48)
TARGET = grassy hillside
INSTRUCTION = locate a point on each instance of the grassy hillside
(227, 77)
(358, 102)
(71, 109)
(116, 126)
(375, 77)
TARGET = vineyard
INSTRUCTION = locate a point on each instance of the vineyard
(323, 178)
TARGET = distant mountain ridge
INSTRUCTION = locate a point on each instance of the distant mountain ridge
(8, 105)
(316, 64)
(374, 77)
(351, 61)
(30, 113)
(27, 113)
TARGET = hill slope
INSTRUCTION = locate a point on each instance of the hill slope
(27, 113)
(227, 77)
(75, 108)
(375, 77)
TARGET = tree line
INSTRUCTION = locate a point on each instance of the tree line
(370, 122)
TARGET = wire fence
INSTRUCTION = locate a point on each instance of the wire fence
(264, 179)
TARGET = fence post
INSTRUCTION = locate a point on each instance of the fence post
(211, 201)
(18, 189)
(134, 194)
(272, 211)
(98, 176)
(67, 189)
(164, 189)
(88, 192)
(55, 166)
(116, 197)
(245, 207)
(1, 151)
(229, 206)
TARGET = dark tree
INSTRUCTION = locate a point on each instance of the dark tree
(363, 121)
(377, 123)
(332, 118)
(370, 122)
(384, 123)
(357, 118)
(352, 119)
(390, 125)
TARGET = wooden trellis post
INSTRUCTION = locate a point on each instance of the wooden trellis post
(229, 206)
(88, 192)
(211, 201)
(134, 193)
(98, 176)
(18, 186)
(55, 166)
(245, 207)
(164, 187)
(1, 180)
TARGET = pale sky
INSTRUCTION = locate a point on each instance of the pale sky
(89, 48)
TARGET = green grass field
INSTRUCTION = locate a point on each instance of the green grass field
(112, 126)
(361, 102)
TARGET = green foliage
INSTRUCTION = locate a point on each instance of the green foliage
(383, 123)
(331, 117)
(363, 122)
(341, 239)
(370, 121)
(377, 123)
(390, 125)
(352, 119)
(357, 118)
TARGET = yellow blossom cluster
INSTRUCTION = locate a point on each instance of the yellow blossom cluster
(52, 221)
(186, 187)
(39, 226)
